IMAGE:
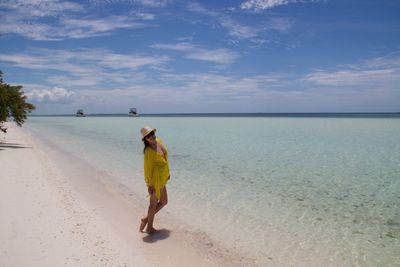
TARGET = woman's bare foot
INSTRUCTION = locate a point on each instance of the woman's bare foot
(143, 224)
(151, 230)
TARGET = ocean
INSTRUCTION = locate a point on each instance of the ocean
(286, 189)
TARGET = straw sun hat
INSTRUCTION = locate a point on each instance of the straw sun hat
(146, 130)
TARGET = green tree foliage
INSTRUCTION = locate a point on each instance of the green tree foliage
(13, 103)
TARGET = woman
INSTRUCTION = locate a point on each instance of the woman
(156, 175)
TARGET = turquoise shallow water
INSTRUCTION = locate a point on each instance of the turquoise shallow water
(296, 191)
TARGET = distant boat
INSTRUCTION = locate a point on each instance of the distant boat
(133, 112)
(80, 113)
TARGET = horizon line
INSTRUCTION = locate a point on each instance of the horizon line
(229, 113)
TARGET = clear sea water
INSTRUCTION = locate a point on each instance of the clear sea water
(286, 190)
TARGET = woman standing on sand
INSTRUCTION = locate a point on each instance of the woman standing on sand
(156, 175)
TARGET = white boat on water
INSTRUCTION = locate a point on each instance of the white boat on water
(80, 113)
(133, 112)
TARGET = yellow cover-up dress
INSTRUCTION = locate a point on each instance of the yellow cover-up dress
(156, 169)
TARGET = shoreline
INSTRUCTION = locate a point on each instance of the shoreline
(350, 115)
(54, 214)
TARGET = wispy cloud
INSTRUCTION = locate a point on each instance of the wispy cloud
(144, 16)
(84, 67)
(154, 3)
(198, 8)
(192, 90)
(177, 47)
(58, 20)
(207, 84)
(387, 61)
(264, 4)
(81, 27)
(235, 29)
(218, 56)
(55, 95)
(258, 5)
(63, 59)
(376, 72)
(255, 33)
(279, 24)
(149, 3)
(352, 77)
(39, 8)
(218, 92)
(240, 31)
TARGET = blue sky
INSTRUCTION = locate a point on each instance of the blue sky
(172, 56)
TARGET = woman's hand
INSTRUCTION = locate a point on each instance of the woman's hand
(151, 190)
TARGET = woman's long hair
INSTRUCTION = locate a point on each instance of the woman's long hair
(146, 144)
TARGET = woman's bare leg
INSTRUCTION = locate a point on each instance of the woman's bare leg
(151, 212)
(163, 199)
(160, 204)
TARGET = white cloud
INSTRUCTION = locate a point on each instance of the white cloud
(55, 95)
(81, 81)
(237, 30)
(253, 33)
(372, 85)
(218, 56)
(387, 61)
(149, 3)
(39, 8)
(279, 24)
(258, 5)
(263, 4)
(133, 62)
(206, 84)
(351, 77)
(200, 92)
(144, 16)
(58, 20)
(240, 31)
(84, 67)
(196, 7)
(375, 72)
(174, 89)
(77, 28)
(24, 60)
(81, 60)
(177, 47)
(154, 3)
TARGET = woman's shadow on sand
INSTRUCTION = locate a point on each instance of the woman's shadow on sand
(161, 234)
(5, 145)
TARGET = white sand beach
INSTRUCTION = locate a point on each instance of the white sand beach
(49, 217)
